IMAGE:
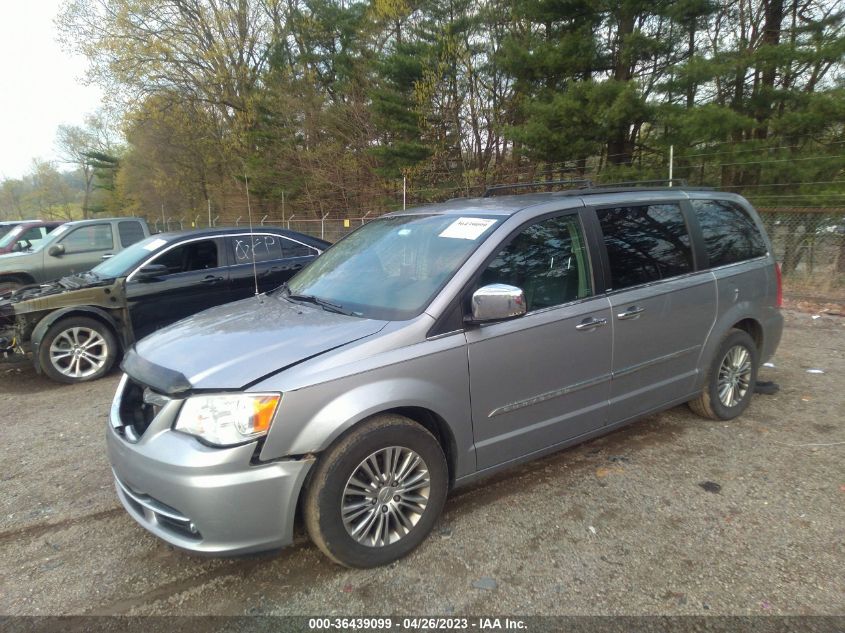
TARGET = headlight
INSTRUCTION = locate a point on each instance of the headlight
(228, 419)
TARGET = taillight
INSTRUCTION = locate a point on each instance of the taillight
(779, 276)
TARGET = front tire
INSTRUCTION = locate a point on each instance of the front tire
(731, 378)
(376, 494)
(77, 349)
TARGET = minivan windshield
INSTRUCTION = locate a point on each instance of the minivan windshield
(126, 260)
(392, 267)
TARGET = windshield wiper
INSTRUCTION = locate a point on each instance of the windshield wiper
(328, 306)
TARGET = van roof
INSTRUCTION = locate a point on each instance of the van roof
(511, 204)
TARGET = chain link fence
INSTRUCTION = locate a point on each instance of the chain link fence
(809, 243)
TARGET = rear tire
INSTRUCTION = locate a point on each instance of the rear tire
(730, 379)
(78, 349)
(375, 495)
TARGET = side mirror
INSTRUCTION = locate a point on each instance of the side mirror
(56, 250)
(497, 302)
(150, 272)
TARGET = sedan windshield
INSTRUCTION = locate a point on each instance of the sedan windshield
(392, 267)
(126, 260)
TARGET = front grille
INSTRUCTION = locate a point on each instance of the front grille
(139, 406)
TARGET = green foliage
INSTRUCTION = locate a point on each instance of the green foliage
(325, 106)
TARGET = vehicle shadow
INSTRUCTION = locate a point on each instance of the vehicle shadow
(20, 378)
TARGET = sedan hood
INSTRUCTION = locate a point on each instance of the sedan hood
(67, 292)
(236, 345)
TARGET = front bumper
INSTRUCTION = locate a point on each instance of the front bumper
(204, 499)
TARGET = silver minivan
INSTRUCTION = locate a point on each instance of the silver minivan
(432, 347)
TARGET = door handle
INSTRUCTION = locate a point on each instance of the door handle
(296, 266)
(631, 313)
(590, 323)
(211, 279)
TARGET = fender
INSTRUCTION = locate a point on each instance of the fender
(45, 324)
(435, 382)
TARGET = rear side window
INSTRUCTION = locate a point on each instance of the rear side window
(260, 248)
(730, 234)
(94, 237)
(130, 232)
(645, 243)
(295, 249)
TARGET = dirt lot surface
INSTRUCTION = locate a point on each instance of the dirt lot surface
(672, 515)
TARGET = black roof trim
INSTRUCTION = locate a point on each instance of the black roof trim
(582, 183)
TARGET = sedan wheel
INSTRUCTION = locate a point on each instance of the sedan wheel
(77, 350)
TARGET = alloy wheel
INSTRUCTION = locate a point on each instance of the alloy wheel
(79, 352)
(734, 376)
(386, 496)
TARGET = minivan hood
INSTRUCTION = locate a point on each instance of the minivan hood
(237, 344)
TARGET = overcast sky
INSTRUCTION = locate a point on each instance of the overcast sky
(41, 86)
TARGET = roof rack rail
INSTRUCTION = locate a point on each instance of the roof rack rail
(582, 183)
(667, 182)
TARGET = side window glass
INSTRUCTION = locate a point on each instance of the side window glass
(295, 249)
(645, 243)
(95, 237)
(261, 248)
(29, 239)
(200, 255)
(548, 260)
(130, 232)
(730, 235)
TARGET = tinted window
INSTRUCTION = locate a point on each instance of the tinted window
(130, 232)
(199, 255)
(730, 235)
(645, 243)
(95, 237)
(261, 248)
(295, 249)
(547, 260)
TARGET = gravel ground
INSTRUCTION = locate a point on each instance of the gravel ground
(627, 524)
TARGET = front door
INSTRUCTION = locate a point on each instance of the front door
(197, 279)
(84, 247)
(542, 378)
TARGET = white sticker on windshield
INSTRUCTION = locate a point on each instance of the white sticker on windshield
(467, 228)
(155, 244)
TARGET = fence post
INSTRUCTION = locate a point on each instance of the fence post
(262, 220)
(289, 219)
(365, 217)
(214, 221)
(323, 227)
(238, 221)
